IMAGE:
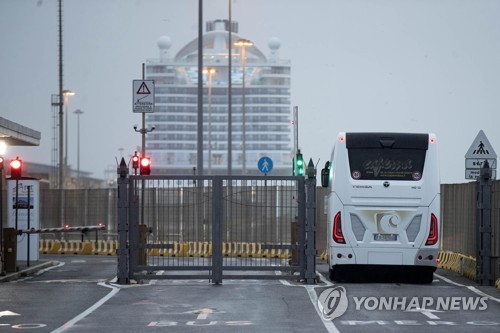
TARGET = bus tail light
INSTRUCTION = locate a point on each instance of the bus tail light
(338, 236)
(433, 232)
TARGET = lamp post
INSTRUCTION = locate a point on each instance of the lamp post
(210, 71)
(229, 95)
(78, 112)
(243, 43)
(3, 148)
(66, 94)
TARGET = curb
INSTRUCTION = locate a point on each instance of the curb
(25, 272)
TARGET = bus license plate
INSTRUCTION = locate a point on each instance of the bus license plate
(385, 237)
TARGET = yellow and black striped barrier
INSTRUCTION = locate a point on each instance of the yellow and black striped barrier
(168, 249)
(459, 263)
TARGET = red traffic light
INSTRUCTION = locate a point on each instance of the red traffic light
(15, 168)
(135, 160)
(145, 167)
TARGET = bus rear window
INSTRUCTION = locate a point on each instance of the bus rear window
(386, 163)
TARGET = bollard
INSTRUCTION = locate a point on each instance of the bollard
(10, 249)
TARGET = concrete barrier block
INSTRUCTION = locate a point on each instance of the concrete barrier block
(55, 248)
(87, 248)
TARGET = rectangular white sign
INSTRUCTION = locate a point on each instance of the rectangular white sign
(23, 205)
(474, 173)
(143, 92)
(475, 163)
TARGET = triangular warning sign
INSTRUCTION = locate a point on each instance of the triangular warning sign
(481, 147)
(143, 89)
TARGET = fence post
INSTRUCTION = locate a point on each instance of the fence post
(122, 252)
(217, 221)
(483, 257)
(311, 223)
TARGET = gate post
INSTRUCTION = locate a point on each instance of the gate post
(310, 246)
(483, 257)
(217, 220)
(122, 252)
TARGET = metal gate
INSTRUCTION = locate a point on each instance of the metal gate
(216, 227)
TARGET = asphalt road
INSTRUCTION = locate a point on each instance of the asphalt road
(76, 295)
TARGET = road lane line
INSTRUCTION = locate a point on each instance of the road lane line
(325, 280)
(471, 288)
(329, 325)
(72, 322)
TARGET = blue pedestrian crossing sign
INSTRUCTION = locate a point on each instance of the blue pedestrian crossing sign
(265, 164)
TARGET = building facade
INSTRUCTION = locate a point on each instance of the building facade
(260, 107)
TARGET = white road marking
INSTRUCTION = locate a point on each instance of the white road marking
(426, 312)
(8, 313)
(70, 281)
(85, 313)
(329, 325)
(59, 264)
(471, 288)
(203, 313)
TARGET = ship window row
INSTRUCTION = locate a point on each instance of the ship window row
(215, 118)
(222, 109)
(258, 81)
(220, 128)
(193, 146)
(219, 137)
(236, 99)
(223, 91)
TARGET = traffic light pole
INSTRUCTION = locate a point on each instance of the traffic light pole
(143, 132)
(1, 217)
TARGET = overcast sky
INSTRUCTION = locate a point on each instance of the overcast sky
(357, 65)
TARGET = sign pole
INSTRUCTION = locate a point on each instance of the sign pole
(483, 227)
(143, 129)
(29, 225)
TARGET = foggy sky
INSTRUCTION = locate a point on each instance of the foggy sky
(357, 65)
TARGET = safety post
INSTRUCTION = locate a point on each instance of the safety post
(310, 249)
(483, 256)
(122, 253)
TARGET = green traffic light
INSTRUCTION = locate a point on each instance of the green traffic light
(300, 164)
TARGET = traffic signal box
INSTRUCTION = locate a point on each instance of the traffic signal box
(299, 163)
(16, 168)
(135, 161)
(145, 166)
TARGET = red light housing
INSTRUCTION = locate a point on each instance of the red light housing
(337, 234)
(15, 168)
(145, 167)
(135, 161)
(433, 232)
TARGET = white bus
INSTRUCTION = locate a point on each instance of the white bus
(383, 204)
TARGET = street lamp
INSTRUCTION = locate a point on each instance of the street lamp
(66, 94)
(210, 71)
(243, 43)
(78, 112)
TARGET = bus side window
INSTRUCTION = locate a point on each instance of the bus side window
(325, 174)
